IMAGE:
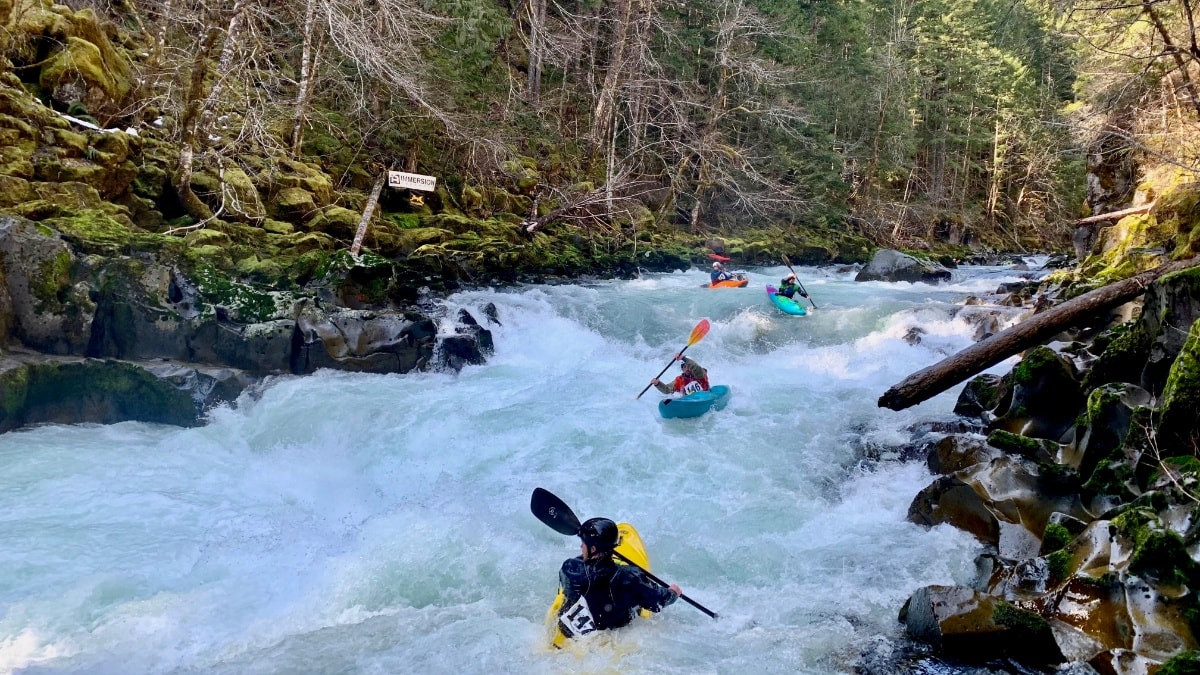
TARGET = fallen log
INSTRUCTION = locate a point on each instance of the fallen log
(1115, 215)
(939, 377)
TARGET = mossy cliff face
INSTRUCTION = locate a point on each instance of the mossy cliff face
(1169, 231)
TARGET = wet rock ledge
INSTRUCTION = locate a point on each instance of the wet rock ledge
(1078, 473)
(95, 332)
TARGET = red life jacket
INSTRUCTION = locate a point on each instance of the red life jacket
(682, 382)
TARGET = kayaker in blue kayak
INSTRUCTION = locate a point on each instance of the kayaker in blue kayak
(600, 594)
(789, 287)
(692, 378)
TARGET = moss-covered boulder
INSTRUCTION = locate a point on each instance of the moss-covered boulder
(1046, 398)
(90, 390)
(243, 201)
(337, 222)
(288, 174)
(1179, 413)
(964, 623)
(50, 312)
(1171, 307)
(292, 204)
(78, 62)
(1106, 424)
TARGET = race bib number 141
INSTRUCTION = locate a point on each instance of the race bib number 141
(577, 621)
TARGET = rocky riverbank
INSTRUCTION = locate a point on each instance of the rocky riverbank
(1077, 471)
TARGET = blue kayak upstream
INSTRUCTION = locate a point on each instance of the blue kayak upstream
(785, 304)
(695, 405)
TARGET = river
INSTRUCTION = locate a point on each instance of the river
(350, 523)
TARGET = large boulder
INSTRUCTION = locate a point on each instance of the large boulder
(48, 309)
(1047, 396)
(1178, 426)
(967, 624)
(1171, 306)
(100, 391)
(891, 265)
(360, 340)
(1108, 419)
(950, 500)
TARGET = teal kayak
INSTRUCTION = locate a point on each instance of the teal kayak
(784, 303)
(695, 405)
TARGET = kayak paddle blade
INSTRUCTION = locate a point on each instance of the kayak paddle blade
(698, 332)
(554, 512)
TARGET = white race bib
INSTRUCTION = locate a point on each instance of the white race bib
(692, 387)
(577, 621)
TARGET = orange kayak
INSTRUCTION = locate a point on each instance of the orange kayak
(729, 283)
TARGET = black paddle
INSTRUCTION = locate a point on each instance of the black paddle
(554, 512)
(802, 290)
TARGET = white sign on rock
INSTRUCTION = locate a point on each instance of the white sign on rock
(412, 181)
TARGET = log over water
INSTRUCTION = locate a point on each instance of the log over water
(935, 379)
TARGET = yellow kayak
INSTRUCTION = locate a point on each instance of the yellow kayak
(630, 546)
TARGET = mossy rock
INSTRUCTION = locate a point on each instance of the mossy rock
(94, 391)
(1185, 663)
(14, 190)
(337, 222)
(74, 144)
(293, 204)
(245, 202)
(289, 174)
(97, 67)
(206, 237)
(277, 226)
(1178, 426)
(305, 242)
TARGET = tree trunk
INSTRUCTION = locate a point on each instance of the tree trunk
(935, 379)
(605, 112)
(200, 109)
(307, 68)
(1175, 52)
(368, 211)
(537, 26)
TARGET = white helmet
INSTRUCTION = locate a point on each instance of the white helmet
(717, 265)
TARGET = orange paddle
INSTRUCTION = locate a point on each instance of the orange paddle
(697, 335)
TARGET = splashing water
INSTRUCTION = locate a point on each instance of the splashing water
(380, 524)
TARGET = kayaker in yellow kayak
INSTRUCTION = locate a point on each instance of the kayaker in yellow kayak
(692, 378)
(600, 594)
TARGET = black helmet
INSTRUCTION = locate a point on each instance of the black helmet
(599, 532)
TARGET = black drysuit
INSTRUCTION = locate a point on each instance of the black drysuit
(600, 594)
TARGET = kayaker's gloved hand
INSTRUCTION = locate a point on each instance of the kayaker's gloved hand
(676, 589)
(655, 382)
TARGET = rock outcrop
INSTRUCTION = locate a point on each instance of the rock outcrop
(892, 265)
(1084, 497)
(156, 336)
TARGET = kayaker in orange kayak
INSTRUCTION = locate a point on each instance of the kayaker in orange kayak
(720, 274)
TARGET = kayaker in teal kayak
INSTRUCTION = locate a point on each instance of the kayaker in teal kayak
(789, 287)
(600, 594)
(692, 378)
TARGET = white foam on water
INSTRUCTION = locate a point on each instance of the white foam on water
(363, 523)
